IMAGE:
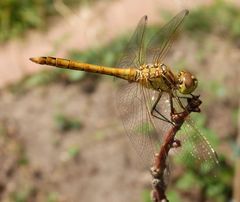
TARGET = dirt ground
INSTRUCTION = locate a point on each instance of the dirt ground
(95, 161)
(36, 158)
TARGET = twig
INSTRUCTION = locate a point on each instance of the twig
(160, 165)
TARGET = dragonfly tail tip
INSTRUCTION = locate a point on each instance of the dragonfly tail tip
(37, 60)
(33, 59)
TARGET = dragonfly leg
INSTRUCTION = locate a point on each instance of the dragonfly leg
(171, 104)
(173, 111)
(179, 102)
(194, 97)
(186, 97)
(159, 115)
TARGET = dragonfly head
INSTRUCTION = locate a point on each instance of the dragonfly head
(187, 82)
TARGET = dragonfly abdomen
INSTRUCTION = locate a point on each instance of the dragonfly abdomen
(124, 73)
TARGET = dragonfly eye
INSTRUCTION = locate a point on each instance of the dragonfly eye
(187, 83)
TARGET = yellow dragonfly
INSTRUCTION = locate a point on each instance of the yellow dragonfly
(149, 90)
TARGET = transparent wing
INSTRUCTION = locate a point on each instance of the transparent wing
(134, 102)
(144, 131)
(160, 43)
(133, 55)
(195, 147)
(163, 106)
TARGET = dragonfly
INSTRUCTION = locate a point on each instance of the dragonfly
(148, 91)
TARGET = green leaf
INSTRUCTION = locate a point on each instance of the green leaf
(146, 196)
(187, 181)
(174, 196)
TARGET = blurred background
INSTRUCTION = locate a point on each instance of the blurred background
(60, 139)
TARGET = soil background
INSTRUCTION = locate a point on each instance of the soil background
(94, 161)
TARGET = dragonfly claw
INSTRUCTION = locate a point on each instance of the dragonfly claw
(194, 103)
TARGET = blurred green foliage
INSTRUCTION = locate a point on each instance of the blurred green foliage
(32, 81)
(53, 197)
(235, 116)
(174, 196)
(146, 196)
(24, 194)
(106, 55)
(73, 151)
(18, 16)
(219, 89)
(46, 77)
(23, 158)
(99, 135)
(222, 17)
(65, 123)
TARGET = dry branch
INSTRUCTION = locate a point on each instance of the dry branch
(160, 164)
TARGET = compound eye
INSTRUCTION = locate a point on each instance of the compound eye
(187, 82)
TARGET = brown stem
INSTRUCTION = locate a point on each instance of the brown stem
(160, 165)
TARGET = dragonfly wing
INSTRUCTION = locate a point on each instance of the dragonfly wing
(134, 102)
(134, 106)
(163, 106)
(196, 149)
(160, 43)
(133, 55)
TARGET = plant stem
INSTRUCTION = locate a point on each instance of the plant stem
(160, 164)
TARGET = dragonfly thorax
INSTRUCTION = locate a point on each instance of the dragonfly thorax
(156, 76)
